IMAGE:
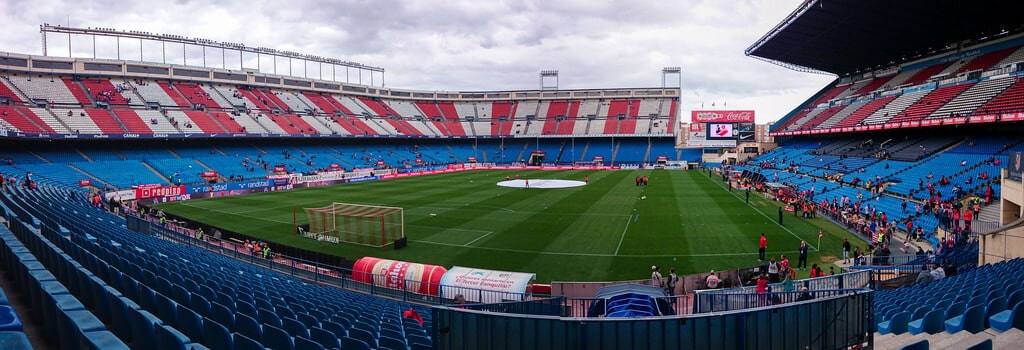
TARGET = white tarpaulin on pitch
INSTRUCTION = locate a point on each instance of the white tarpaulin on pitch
(485, 286)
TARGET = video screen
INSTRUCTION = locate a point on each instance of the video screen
(720, 131)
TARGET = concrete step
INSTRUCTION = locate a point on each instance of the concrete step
(1012, 339)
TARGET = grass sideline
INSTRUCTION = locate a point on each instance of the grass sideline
(603, 231)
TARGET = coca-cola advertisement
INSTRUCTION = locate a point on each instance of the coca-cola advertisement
(722, 116)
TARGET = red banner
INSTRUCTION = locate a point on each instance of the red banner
(951, 121)
(208, 174)
(335, 166)
(160, 191)
(984, 118)
(1012, 117)
(280, 169)
(722, 116)
(84, 183)
(380, 162)
(471, 159)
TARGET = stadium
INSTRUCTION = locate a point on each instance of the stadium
(155, 205)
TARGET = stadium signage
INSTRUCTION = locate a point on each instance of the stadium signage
(1012, 117)
(739, 116)
(508, 285)
(160, 135)
(159, 191)
(989, 118)
(131, 136)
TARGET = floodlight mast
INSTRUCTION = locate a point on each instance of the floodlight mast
(242, 49)
(546, 78)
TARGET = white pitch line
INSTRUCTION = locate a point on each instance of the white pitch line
(595, 254)
(621, 238)
(478, 238)
(770, 219)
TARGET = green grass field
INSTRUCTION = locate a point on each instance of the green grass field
(599, 232)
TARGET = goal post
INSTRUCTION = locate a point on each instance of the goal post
(369, 225)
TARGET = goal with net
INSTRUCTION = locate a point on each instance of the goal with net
(369, 225)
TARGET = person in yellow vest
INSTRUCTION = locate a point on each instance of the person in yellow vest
(199, 234)
(266, 251)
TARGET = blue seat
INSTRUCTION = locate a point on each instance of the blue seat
(276, 338)
(269, 317)
(247, 309)
(223, 315)
(245, 343)
(1007, 319)
(307, 320)
(143, 328)
(348, 343)
(932, 322)
(168, 338)
(9, 320)
(71, 324)
(972, 320)
(919, 345)
(897, 325)
(295, 328)
(216, 336)
(248, 327)
(363, 335)
(166, 309)
(983, 345)
(390, 343)
(191, 324)
(17, 341)
(199, 304)
(96, 340)
(325, 337)
(335, 328)
(120, 321)
(306, 344)
(995, 306)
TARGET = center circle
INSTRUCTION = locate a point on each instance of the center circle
(542, 183)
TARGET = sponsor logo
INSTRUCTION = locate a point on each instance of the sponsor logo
(71, 136)
(130, 136)
(160, 135)
(100, 136)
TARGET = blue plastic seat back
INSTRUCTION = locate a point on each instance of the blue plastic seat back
(325, 337)
(168, 338)
(248, 327)
(295, 328)
(349, 343)
(391, 343)
(245, 343)
(269, 317)
(276, 338)
(302, 343)
(223, 315)
(216, 336)
(191, 324)
(335, 328)
(363, 335)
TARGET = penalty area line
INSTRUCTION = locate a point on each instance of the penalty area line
(478, 238)
(623, 236)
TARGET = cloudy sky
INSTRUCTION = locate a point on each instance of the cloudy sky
(457, 45)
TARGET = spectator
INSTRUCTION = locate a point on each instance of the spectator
(937, 272)
(924, 277)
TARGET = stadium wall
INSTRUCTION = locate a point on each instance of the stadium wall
(827, 323)
(1006, 242)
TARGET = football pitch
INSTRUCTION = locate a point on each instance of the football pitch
(608, 230)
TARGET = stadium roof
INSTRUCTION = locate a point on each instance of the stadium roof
(846, 36)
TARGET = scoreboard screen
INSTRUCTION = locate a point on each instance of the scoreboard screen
(721, 131)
